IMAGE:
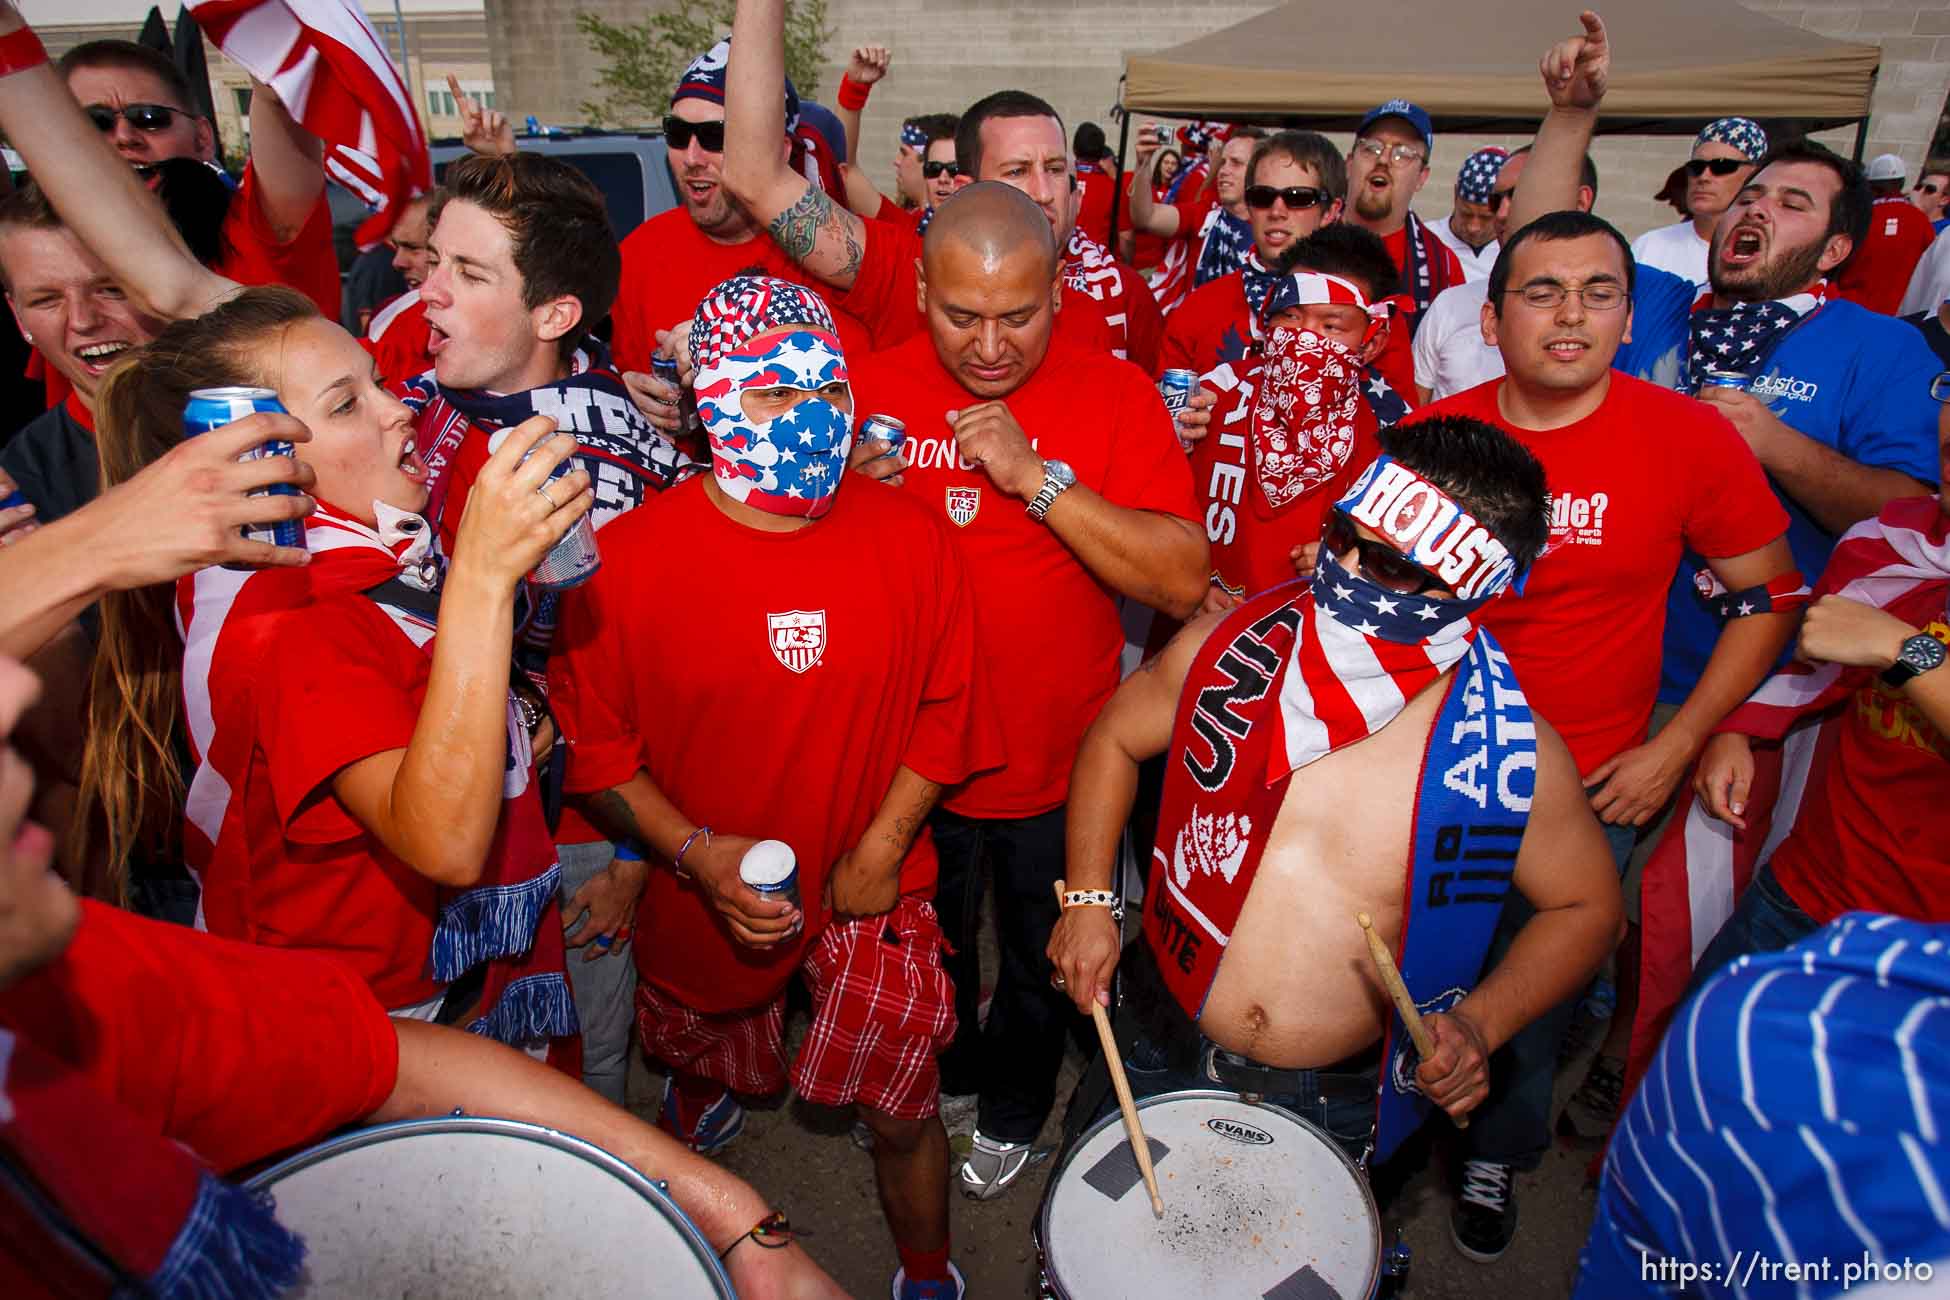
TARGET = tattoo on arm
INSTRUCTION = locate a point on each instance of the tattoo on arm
(610, 811)
(798, 231)
(908, 822)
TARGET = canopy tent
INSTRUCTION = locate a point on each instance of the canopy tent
(1678, 64)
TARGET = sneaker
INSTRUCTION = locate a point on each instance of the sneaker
(952, 1289)
(722, 1120)
(1593, 1108)
(1485, 1217)
(992, 1166)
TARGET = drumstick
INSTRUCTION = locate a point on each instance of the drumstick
(1391, 979)
(1132, 1129)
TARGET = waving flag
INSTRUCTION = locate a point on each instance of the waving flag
(328, 67)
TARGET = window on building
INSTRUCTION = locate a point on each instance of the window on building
(441, 103)
(243, 94)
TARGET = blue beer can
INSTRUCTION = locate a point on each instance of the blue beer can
(18, 498)
(884, 428)
(665, 368)
(212, 408)
(1177, 387)
(1726, 379)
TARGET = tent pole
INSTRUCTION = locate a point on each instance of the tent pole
(1862, 127)
(1117, 181)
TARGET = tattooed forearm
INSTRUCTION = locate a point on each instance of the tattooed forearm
(907, 821)
(610, 811)
(813, 221)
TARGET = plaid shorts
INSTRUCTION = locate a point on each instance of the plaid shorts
(882, 1008)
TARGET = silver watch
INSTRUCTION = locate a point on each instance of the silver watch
(1058, 478)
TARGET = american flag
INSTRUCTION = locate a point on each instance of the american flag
(329, 68)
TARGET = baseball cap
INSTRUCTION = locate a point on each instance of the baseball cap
(1887, 167)
(1413, 114)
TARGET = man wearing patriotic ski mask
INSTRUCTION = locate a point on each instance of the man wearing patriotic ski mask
(806, 675)
(1336, 748)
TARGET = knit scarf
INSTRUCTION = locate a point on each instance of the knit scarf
(1425, 272)
(1739, 339)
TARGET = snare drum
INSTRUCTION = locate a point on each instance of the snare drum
(1258, 1202)
(479, 1208)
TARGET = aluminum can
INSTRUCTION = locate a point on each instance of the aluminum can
(573, 560)
(212, 408)
(665, 368)
(884, 428)
(18, 498)
(770, 867)
(1726, 379)
(1177, 387)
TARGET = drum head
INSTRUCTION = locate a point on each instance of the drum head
(1258, 1202)
(481, 1208)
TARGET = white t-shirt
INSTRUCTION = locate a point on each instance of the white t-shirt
(1450, 354)
(1929, 283)
(1677, 248)
(1476, 265)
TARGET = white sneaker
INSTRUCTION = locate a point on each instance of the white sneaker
(992, 1166)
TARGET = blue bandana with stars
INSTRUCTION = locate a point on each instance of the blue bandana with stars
(1738, 340)
(1374, 610)
(1226, 245)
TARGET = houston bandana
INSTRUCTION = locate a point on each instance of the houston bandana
(1430, 528)
(1479, 172)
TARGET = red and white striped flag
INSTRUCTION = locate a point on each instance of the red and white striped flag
(1898, 561)
(329, 68)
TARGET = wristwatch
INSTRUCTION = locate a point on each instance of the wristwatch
(1058, 478)
(1919, 654)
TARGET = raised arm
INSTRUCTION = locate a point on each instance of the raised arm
(824, 238)
(287, 161)
(98, 194)
(867, 66)
(487, 132)
(1147, 213)
(1575, 72)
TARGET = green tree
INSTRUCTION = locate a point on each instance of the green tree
(642, 61)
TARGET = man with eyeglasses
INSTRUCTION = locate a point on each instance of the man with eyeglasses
(1386, 169)
(1724, 154)
(1898, 236)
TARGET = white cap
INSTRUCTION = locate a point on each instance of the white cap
(1887, 167)
(767, 862)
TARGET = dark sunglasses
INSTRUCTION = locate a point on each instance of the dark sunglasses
(932, 170)
(143, 117)
(678, 135)
(1718, 166)
(1924, 187)
(1379, 562)
(1297, 197)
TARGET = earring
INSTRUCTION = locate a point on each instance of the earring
(25, 335)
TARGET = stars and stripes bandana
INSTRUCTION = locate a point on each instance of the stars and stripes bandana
(791, 464)
(704, 79)
(1743, 133)
(1479, 172)
(328, 66)
(1228, 239)
(1739, 339)
(913, 136)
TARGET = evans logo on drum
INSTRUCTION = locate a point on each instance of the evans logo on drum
(1233, 1130)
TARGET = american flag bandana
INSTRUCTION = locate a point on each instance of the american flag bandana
(1479, 172)
(1743, 133)
(1739, 339)
(328, 66)
(1228, 239)
(913, 136)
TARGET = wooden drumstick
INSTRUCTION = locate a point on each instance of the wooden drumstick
(1391, 979)
(1132, 1129)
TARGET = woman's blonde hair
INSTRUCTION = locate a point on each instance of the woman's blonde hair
(132, 787)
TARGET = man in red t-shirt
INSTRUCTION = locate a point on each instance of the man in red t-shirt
(1386, 169)
(1205, 227)
(397, 335)
(1009, 136)
(1636, 473)
(837, 700)
(1001, 416)
(1899, 235)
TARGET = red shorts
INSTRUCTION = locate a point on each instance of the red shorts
(881, 1010)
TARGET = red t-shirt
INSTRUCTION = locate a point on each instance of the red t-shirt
(1050, 630)
(253, 254)
(892, 211)
(1878, 274)
(1212, 325)
(1093, 203)
(1647, 474)
(1252, 543)
(668, 267)
(1874, 829)
(770, 690)
(1147, 249)
(397, 338)
(883, 295)
(237, 1052)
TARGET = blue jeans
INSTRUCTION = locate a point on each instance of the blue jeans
(1764, 920)
(1513, 1127)
(605, 989)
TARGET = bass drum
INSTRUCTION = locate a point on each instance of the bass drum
(1258, 1202)
(482, 1209)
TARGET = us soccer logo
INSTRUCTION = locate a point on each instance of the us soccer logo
(798, 637)
(962, 505)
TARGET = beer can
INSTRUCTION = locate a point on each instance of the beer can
(18, 498)
(212, 408)
(1177, 387)
(769, 867)
(1726, 379)
(573, 560)
(883, 428)
(665, 368)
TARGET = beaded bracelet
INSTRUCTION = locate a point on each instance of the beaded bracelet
(20, 51)
(773, 1232)
(677, 863)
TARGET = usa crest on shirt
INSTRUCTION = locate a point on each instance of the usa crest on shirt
(963, 502)
(798, 637)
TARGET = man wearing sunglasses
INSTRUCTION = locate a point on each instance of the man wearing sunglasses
(1898, 236)
(1932, 192)
(1310, 760)
(1386, 169)
(1723, 157)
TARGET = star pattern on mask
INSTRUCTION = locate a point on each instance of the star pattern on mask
(1366, 629)
(1383, 605)
(1428, 610)
(1343, 593)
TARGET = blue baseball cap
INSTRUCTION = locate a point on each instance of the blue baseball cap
(1413, 114)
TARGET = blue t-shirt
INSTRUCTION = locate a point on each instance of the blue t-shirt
(1851, 379)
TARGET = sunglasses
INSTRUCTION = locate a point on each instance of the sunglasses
(935, 170)
(1927, 188)
(1940, 387)
(1297, 197)
(1698, 167)
(1380, 562)
(678, 135)
(143, 117)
